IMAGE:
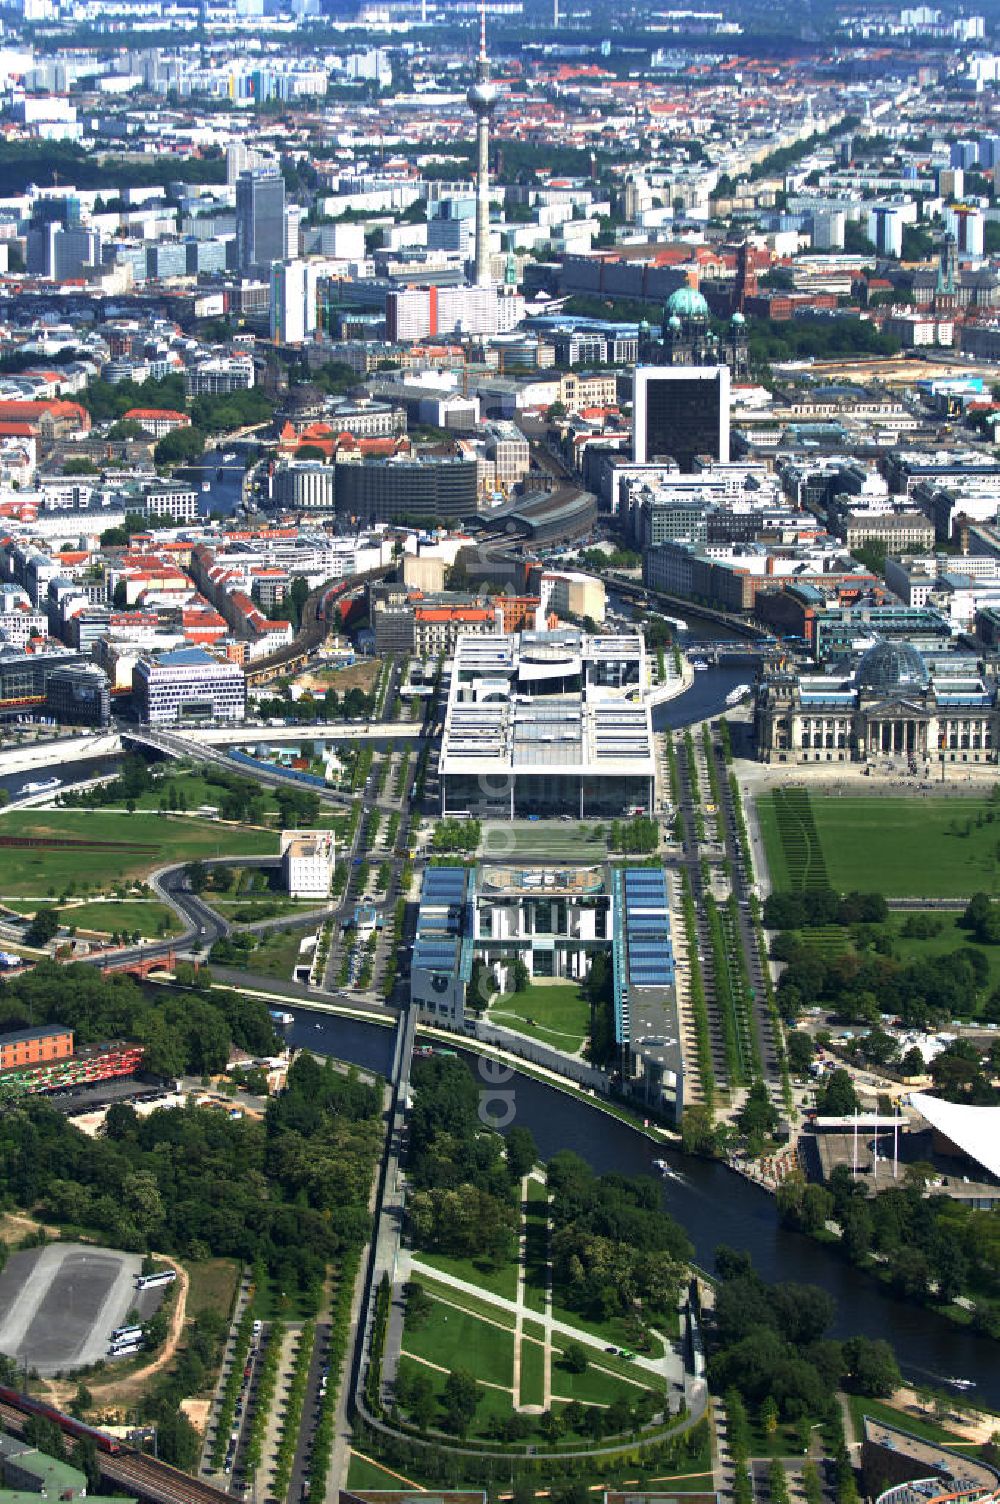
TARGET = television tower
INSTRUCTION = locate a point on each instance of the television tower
(482, 102)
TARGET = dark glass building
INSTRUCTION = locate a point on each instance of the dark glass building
(681, 412)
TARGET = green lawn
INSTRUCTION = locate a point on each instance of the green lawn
(500, 1280)
(554, 840)
(194, 790)
(457, 1340)
(493, 1403)
(951, 936)
(928, 1430)
(157, 841)
(599, 1385)
(122, 914)
(555, 1012)
(213, 1285)
(532, 1363)
(448, 1296)
(536, 1246)
(930, 847)
(615, 1331)
(276, 955)
(364, 1475)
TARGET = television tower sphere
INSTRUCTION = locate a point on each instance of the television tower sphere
(482, 97)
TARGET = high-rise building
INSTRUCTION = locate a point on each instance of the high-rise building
(293, 221)
(679, 413)
(885, 230)
(965, 222)
(260, 218)
(293, 301)
(482, 102)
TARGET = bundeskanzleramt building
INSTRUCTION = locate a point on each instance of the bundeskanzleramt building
(188, 685)
(555, 920)
(891, 707)
(548, 723)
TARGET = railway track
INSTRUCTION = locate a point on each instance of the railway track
(145, 1478)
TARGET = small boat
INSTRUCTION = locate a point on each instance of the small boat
(279, 1016)
(206, 485)
(736, 695)
(229, 456)
(961, 1383)
(699, 665)
(41, 788)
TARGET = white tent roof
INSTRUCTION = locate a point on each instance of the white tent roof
(975, 1130)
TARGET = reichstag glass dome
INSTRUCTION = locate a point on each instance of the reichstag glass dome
(889, 667)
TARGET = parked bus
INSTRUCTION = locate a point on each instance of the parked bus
(151, 1281)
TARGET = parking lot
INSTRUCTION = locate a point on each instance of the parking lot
(59, 1304)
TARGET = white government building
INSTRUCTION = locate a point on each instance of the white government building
(548, 724)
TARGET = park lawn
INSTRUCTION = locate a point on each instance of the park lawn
(455, 1339)
(904, 1420)
(33, 869)
(532, 1363)
(599, 1386)
(499, 1279)
(213, 1285)
(129, 914)
(450, 1297)
(614, 1331)
(556, 1012)
(278, 954)
(363, 1474)
(552, 840)
(536, 1246)
(198, 790)
(688, 1483)
(493, 1403)
(951, 937)
(904, 848)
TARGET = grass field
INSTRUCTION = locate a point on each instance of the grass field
(161, 840)
(493, 1403)
(532, 1363)
(196, 790)
(555, 1012)
(555, 841)
(279, 953)
(213, 1286)
(364, 1474)
(928, 1430)
(536, 1246)
(122, 914)
(453, 1339)
(930, 847)
(500, 1280)
(496, 1314)
(950, 938)
(598, 1385)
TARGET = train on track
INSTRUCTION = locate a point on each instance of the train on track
(67, 1423)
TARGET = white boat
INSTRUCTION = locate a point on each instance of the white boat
(206, 485)
(666, 1171)
(229, 456)
(961, 1383)
(737, 694)
(699, 665)
(41, 788)
(279, 1016)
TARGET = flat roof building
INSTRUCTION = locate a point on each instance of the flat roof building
(548, 723)
(188, 685)
(555, 920)
(307, 862)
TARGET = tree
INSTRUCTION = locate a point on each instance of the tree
(459, 1400)
(181, 447)
(42, 929)
(800, 1051)
(871, 1366)
(196, 874)
(574, 1358)
(520, 977)
(522, 1152)
(837, 1098)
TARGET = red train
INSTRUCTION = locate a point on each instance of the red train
(28, 1406)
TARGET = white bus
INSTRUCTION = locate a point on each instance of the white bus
(150, 1281)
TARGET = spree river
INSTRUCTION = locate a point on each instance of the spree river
(715, 1206)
